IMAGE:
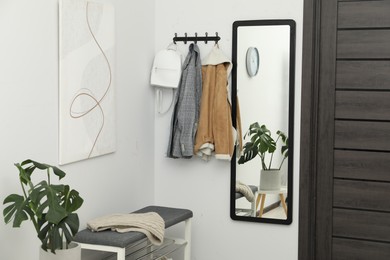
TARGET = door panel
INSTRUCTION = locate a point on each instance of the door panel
(363, 44)
(345, 178)
(364, 14)
(373, 105)
(363, 74)
(362, 195)
(362, 165)
(358, 224)
(362, 135)
(359, 250)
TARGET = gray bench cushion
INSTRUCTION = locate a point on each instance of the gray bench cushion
(171, 217)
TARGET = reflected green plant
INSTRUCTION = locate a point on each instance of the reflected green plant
(261, 143)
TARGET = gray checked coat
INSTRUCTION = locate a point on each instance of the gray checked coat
(187, 106)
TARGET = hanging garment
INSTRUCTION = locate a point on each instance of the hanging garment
(215, 131)
(187, 105)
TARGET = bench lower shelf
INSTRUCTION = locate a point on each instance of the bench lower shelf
(145, 250)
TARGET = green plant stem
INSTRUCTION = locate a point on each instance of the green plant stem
(272, 154)
(62, 240)
(24, 191)
(34, 221)
(62, 231)
(48, 176)
(262, 158)
(280, 166)
(270, 161)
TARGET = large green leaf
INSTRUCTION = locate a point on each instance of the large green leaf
(54, 238)
(43, 228)
(71, 199)
(250, 151)
(51, 234)
(42, 166)
(18, 210)
(282, 135)
(267, 144)
(70, 225)
(284, 149)
(47, 197)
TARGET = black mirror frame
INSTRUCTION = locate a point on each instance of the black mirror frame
(292, 25)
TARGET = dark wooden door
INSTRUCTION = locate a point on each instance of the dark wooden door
(345, 147)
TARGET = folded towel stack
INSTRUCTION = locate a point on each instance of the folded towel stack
(151, 224)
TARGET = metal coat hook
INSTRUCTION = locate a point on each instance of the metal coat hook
(196, 38)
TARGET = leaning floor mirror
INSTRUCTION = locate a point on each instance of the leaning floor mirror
(263, 111)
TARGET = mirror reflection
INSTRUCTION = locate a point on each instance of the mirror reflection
(263, 81)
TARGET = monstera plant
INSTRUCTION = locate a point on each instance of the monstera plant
(50, 207)
(262, 143)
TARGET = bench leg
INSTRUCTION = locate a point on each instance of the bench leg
(187, 237)
(120, 252)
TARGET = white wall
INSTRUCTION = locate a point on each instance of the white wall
(204, 187)
(118, 182)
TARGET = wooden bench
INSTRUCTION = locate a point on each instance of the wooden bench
(111, 241)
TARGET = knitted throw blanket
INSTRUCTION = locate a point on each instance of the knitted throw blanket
(245, 190)
(151, 224)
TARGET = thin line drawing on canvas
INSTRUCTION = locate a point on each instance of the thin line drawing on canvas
(85, 92)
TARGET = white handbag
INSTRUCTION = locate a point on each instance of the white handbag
(166, 73)
(166, 70)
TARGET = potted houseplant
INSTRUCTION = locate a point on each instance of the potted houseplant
(50, 207)
(263, 145)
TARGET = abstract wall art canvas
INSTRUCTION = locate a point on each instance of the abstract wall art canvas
(86, 80)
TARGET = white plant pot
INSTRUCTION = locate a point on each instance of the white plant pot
(270, 180)
(72, 253)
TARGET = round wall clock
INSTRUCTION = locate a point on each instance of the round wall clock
(252, 61)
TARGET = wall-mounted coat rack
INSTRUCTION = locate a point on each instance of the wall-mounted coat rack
(196, 38)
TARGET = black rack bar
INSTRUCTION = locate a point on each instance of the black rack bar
(196, 38)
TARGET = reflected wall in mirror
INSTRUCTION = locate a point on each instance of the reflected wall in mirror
(263, 81)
